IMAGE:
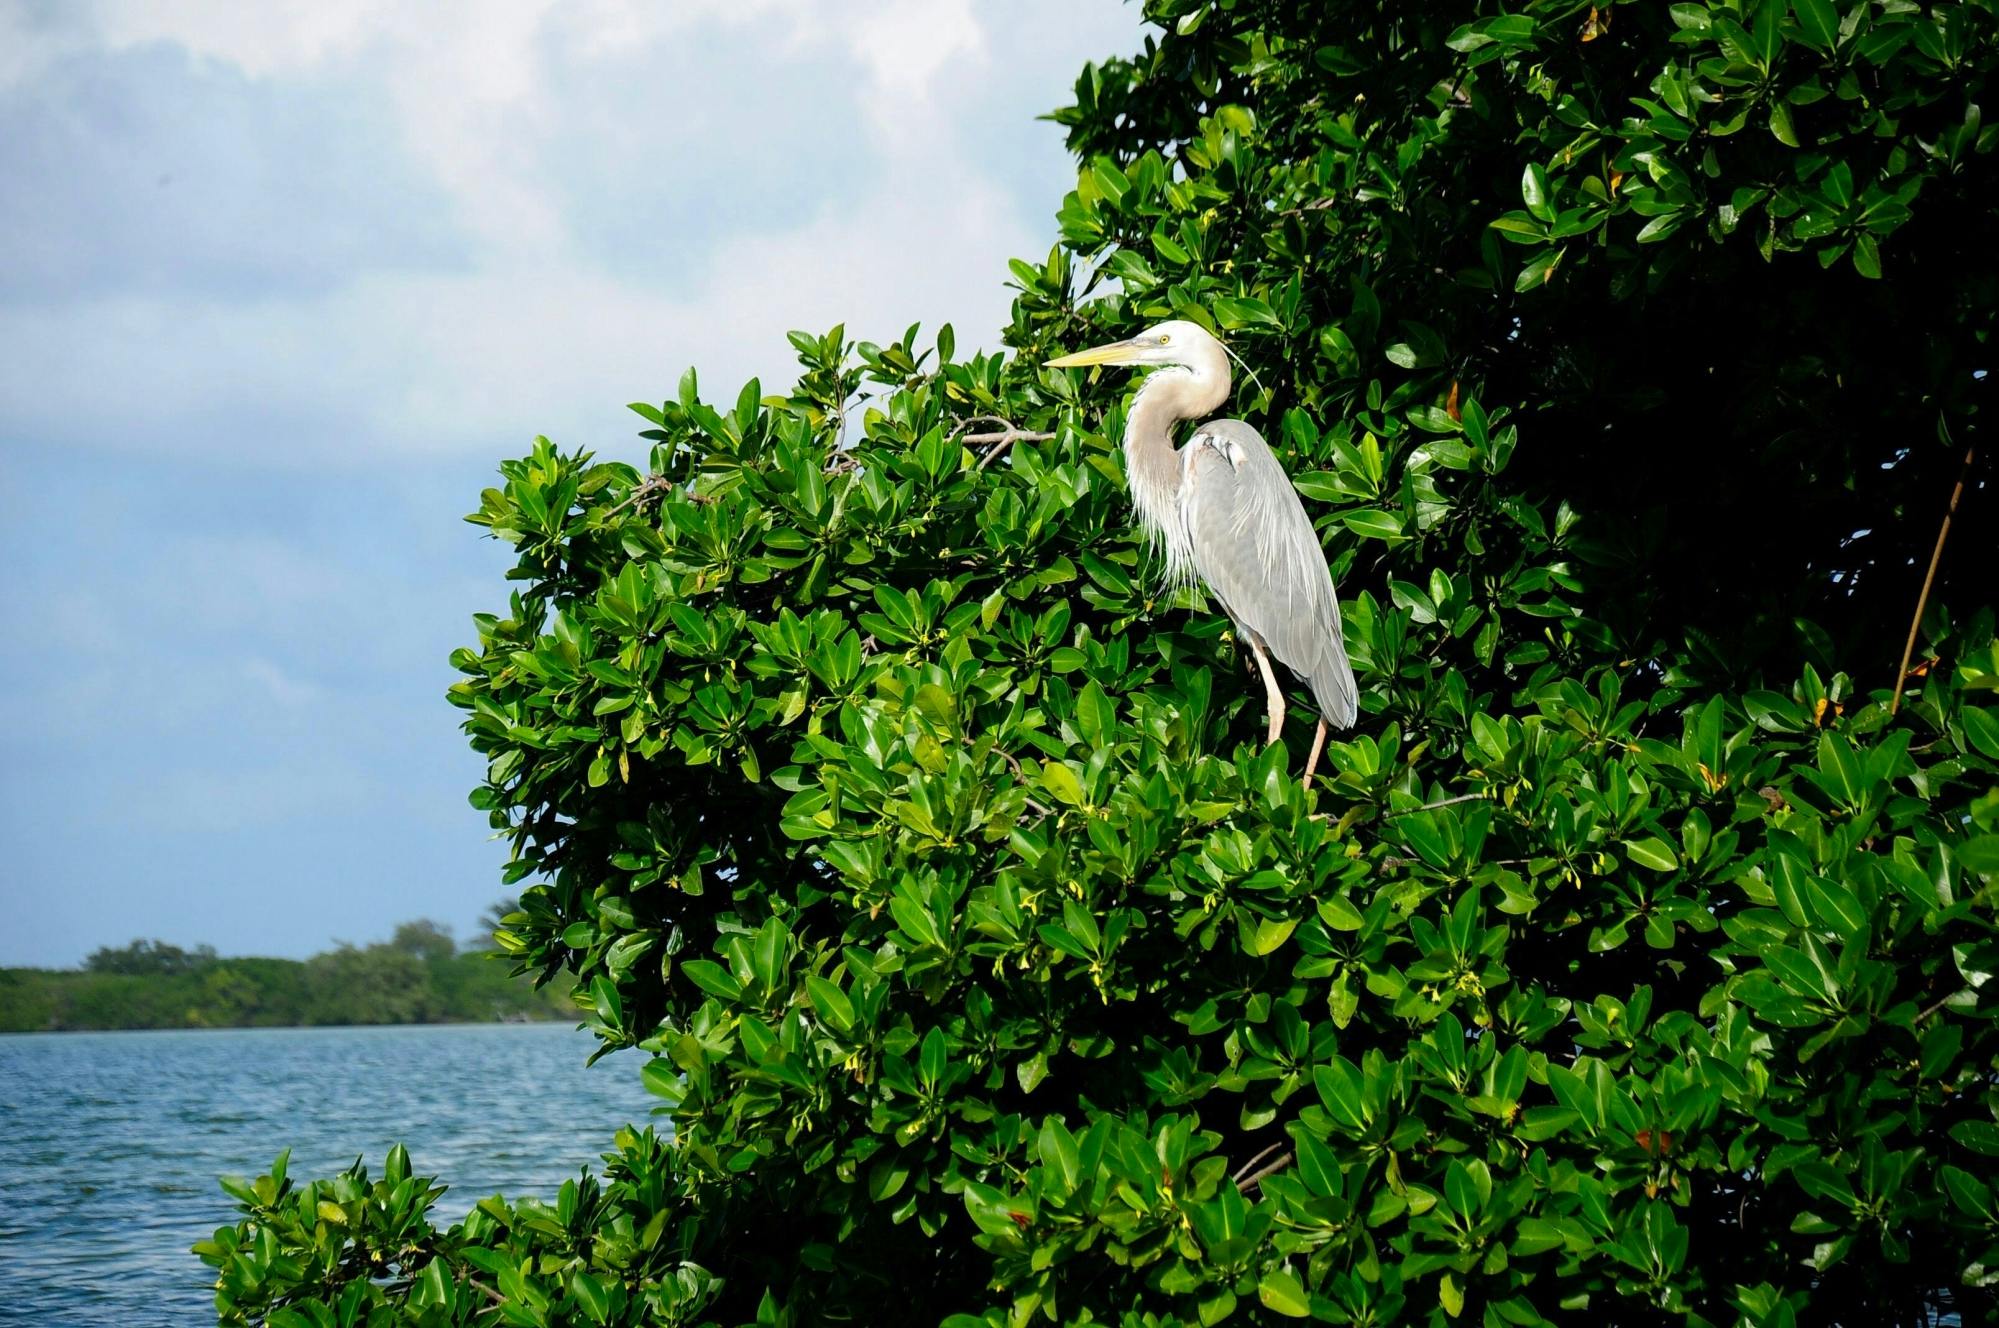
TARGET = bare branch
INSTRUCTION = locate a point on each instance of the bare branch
(649, 487)
(1316, 205)
(1442, 802)
(1255, 1178)
(1923, 599)
(1020, 774)
(653, 486)
(1001, 439)
(1249, 1168)
(1934, 1006)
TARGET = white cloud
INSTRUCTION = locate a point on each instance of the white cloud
(531, 332)
(482, 360)
(471, 81)
(261, 40)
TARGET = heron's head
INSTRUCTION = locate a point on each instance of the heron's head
(1178, 342)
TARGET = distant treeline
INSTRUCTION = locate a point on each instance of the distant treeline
(420, 976)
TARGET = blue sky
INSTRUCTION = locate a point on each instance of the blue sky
(284, 282)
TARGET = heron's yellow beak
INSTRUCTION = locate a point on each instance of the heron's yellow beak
(1117, 352)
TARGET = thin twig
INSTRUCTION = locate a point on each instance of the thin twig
(1316, 205)
(1933, 1007)
(1256, 1177)
(1923, 599)
(1006, 436)
(1249, 1167)
(1018, 773)
(1393, 861)
(1005, 440)
(1442, 802)
(650, 486)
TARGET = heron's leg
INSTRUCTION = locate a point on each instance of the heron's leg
(1318, 745)
(1273, 693)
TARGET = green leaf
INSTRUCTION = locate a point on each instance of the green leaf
(1652, 852)
(1534, 192)
(1780, 124)
(1280, 1291)
(1979, 854)
(1061, 782)
(1659, 228)
(1338, 912)
(1450, 1295)
(1538, 268)
(1818, 22)
(1979, 1136)
(591, 1295)
(712, 978)
(1339, 1083)
(1981, 726)
(831, 1003)
(1867, 257)
(1096, 716)
(1260, 936)
(1233, 313)
(936, 1057)
(1374, 524)
(1970, 1194)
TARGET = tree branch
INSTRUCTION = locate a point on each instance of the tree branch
(1923, 599)
(1255, 1178)
(652, 486)
(649, 487)
(1021, 775)
(1936, 1005)
(1001, 439)
(1442, 802)
(1248, 1168)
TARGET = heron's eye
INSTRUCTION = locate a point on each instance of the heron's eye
(1164, 339)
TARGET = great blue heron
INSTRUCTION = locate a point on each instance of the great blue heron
(1223, 510)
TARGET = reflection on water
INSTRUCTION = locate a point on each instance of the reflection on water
(110, 1143)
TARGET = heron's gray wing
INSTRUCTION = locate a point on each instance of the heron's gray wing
(1255, 549)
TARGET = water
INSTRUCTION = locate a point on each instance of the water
(110, 1143)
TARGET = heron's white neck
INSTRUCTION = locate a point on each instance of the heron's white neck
(1173, 394)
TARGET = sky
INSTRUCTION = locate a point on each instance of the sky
(282, 283)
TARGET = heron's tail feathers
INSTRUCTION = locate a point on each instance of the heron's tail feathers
(1335, 690)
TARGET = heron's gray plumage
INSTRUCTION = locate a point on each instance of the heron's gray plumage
(1254, 548)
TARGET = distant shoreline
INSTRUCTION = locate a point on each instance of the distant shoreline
(417, 978)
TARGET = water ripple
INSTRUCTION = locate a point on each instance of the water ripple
(113, 1141)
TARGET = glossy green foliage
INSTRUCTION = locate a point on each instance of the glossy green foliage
(1629, 963)
(349, 1251)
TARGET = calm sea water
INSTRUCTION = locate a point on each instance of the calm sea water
(110, 1143)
